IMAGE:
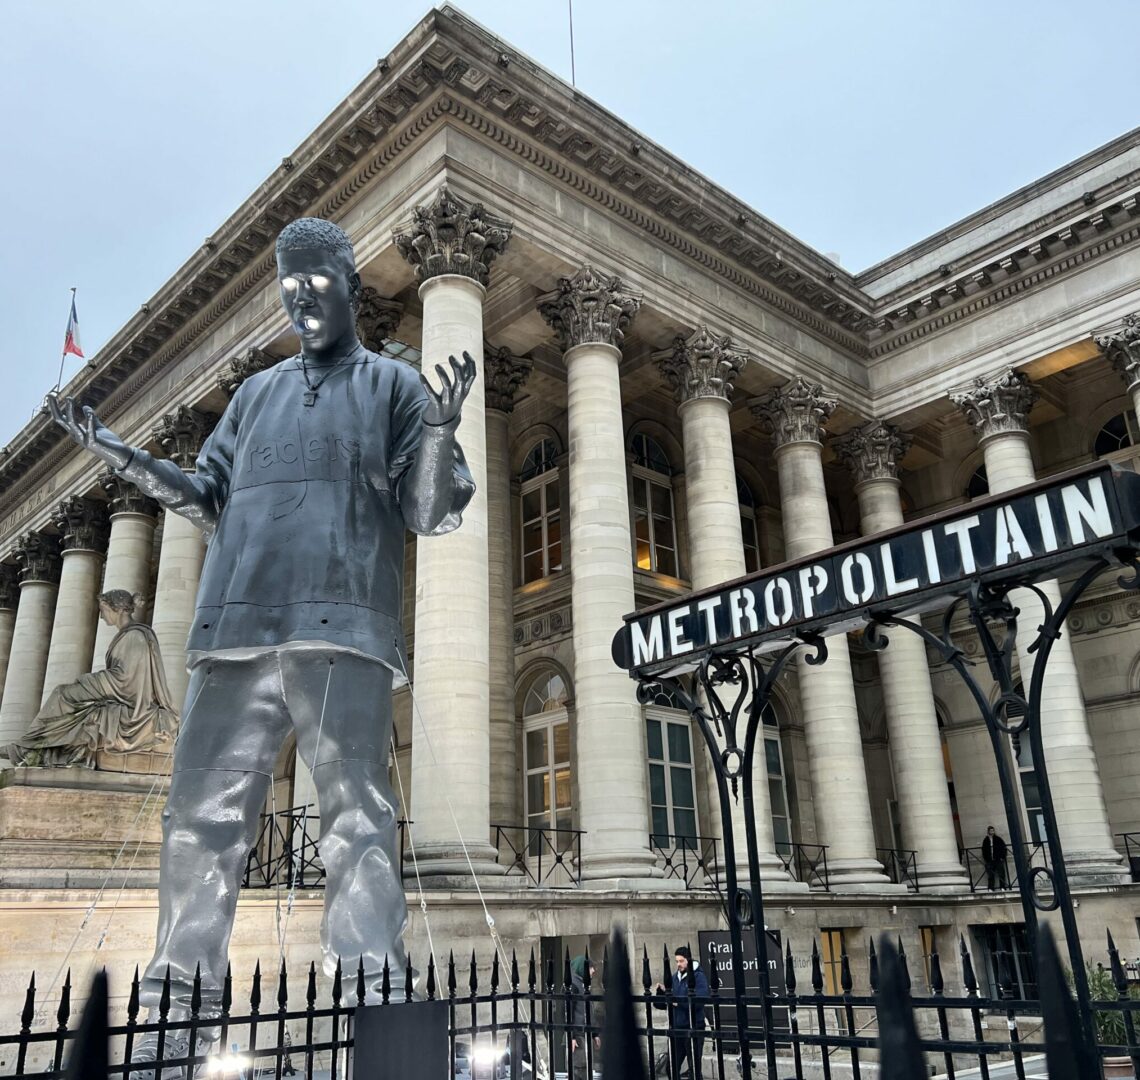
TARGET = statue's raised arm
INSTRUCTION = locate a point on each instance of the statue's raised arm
(89, 431)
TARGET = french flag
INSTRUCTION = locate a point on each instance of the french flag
(71, 338)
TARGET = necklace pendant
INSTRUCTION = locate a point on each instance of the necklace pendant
(310, 397)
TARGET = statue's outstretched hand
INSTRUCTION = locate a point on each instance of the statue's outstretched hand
(87, 430)
(445, 404)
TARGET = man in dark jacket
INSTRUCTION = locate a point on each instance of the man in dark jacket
(585, 1017)
(686, 1000)
(994, 856)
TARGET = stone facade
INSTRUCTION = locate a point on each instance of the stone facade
(672, 392)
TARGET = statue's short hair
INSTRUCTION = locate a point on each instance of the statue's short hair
(119, 600)
(309, 232)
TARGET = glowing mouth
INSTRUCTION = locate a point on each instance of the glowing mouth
(309, 323)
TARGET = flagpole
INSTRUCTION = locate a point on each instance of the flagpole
(63, 357)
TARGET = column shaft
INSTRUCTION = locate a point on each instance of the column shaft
(1074, 776)
(176, 590)
(611, 745)
(504, 780)
(7, 626)
(76, 616)
(128, 567)
(450, 728)
(31, 635)
(912, 724)
(827, 693)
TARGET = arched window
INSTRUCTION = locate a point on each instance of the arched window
(672, 787)
(546, 756)
(777, 784)
(749, 528)
(654, 530)
(979, 484)
(1119, 433)
(540, 513)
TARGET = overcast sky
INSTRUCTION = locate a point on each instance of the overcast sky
(135, 128)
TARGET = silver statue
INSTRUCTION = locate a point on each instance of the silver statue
(307, 486)
(123, 709)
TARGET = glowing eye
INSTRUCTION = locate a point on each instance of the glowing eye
(320, 282)
(289, 284)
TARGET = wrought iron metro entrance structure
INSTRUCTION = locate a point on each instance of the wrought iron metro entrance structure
(721, 650)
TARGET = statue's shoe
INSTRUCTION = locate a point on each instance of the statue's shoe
(175, 1047)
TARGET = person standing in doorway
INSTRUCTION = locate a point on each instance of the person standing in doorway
(994, 854)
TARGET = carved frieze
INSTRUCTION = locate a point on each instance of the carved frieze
(125, 498)
(504, 373)
(241, 367)
(703, 366)
(377, 318)
(794, 412)
(1122, 347)
(873, 450)
(82, 523)
(181, 434)
(541, 627)
(38, 557)
(589, 308)
(997, 404)
(451, 236)
(9, 586)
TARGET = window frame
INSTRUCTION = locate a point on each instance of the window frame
(831, 959)
(664, 715)
(748, 516)
(548, 474)
(547, 720)
(641, 472)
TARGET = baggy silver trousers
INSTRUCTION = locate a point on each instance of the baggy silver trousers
(240, 713)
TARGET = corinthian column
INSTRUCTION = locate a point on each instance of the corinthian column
(1123, 351)
(505, 374)
(38, 559)
(82, 523)
(180, 434)
(377, 318)
(133, 518)
(590, 313)
(451, 244)
(998, 411)
(9, 598)
(701, 371)
(872, 453)
(795, 414)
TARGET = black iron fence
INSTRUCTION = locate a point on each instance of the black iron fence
(540, 856)
(806, 863)
(691, 859)
(1131, 843)
(534, 1013)
(998, 875)
(285, 853)
(900, 865)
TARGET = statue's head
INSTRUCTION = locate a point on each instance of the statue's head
(320, 288)
(117, 602)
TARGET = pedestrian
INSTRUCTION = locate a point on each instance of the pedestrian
(685, 1000)
(994, 856)
(584, 1019)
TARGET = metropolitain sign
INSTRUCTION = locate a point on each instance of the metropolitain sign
(1022, 535)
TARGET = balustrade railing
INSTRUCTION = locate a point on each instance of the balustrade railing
(806, 863)
(691, 859)
(1001, 875)
(900, 865)
(285, 853)
(543, 857)
(1131, 842)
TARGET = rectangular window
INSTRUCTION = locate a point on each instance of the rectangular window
(541, 522)
(672, 795)
(926, 937)
(751, 542)
(831, 958)
(654, 534)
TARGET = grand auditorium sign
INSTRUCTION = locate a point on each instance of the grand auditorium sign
(1023, 535)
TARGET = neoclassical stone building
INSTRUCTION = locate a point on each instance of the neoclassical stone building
(673, 392)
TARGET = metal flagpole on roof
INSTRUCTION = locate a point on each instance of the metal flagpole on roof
(570, 7)
(70, 340)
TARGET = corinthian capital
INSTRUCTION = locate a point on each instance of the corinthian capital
(38, 556)
(82, 522)
(9, 586)
(377, 319)
(182, 433)
(703, 366)
(1122, 347)
(504, 373)
(125, 498)
(997, 404)
(451, 236)
(873, 450)
(241, 367)
(794, 412)
(589, 308)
